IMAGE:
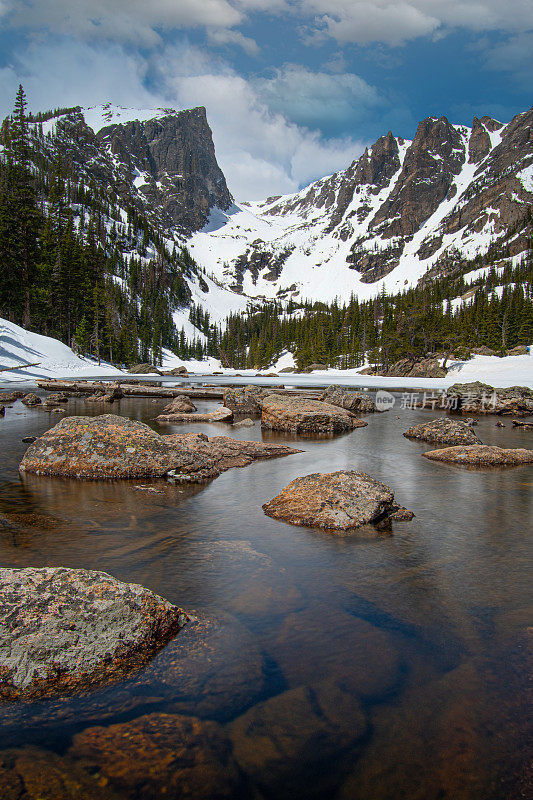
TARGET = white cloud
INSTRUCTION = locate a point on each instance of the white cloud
(225, 36)
(259, 150)
(123, 20)
(397, 21)
(317, 98)
(514, 55)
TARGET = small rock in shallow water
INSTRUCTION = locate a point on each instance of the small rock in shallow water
(31, 400)
(336, 500)
(443, 431)
(63, 629)
(29, 439)
(483, 455)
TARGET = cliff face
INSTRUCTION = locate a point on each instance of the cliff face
(165, 165)
(175, 155)
(403, 210)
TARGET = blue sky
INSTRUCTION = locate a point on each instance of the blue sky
(294, 89)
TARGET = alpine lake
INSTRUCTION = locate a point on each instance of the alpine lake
(366, 665)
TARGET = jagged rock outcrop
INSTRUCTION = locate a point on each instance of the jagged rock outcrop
(298, 415)
(444, 431)
(63, 629)
(165, 166)
(177, 155)
(337, 500)
(481, 455)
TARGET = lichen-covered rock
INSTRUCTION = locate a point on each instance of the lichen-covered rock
(245, 400)
(299, 415)
(284, 743)
(109, 446)
(221, 414)
(357, 402)
(244, 423)
(31, 400)
(481, 455)
(481, 398)
(29, 773)
(161, 755)
(336, 500)
(10, 397)
(180, 405)
(443, 431)
(62, 629)
(224, 453)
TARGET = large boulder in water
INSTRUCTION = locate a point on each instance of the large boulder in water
(62, 629)
(482, 455)
(180, 405)
(337, 500)
(144, 369)
(443, 431)
(299, 415)
(108, 446)
(245, 400)
(357, 402)
(220, 414)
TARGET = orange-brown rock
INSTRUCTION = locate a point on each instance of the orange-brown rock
(109, 446)
(221, 414)
(481, 455)
(337, 500)
(180, 405)
(161, 755)
(223, 452)
(298, 415)
(444, 431)
(29, 773)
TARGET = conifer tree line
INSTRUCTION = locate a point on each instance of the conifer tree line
(75, 265)
(418, 322)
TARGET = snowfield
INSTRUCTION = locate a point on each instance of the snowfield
(55, 360)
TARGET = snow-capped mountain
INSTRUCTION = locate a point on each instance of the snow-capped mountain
(403, 210)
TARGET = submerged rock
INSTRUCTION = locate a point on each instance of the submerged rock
(213, 669)
(161, 755)
(482, 455)
(221, 414)
(30, 773)
(109, 446)
(357, 402)
(244, 423)
(62, 629)
(284, 744)
(337, 500)
(444, 431)
(299, 415)
(180, 405)
(323, 642)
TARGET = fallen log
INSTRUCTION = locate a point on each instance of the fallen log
(528, 426)
(20, 366)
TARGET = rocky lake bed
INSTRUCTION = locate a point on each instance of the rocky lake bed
(368, 649)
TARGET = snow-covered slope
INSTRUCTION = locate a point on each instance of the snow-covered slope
(19, 347)
(403, 209)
